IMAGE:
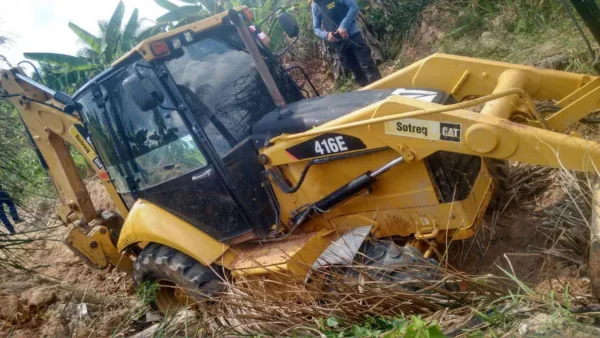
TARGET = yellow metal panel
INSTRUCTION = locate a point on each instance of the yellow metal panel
(575, 111)
(294, 255)
(514, 141)
(405, 216)
(97, 250)
(442, 71)
(148, 222)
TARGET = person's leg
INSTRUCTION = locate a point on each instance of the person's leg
(350, 63)
(4, 219)
(13, 210)
(363, 54)
(356, 69)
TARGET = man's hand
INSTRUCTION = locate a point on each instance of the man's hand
(331, 38)
(342, 32)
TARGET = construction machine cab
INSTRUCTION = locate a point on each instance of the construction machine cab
(176, 130)
(182, 129)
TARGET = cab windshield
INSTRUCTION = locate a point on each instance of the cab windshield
(144, 147)
(220, 83)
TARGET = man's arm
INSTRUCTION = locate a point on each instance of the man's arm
(317, 22)
(351, 15)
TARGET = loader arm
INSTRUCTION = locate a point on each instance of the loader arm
(508, 127)
(51, 129)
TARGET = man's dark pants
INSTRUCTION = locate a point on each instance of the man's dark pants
(5, 199)
(356, 57)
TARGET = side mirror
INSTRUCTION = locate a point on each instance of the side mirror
(144, 93)
(289, 24)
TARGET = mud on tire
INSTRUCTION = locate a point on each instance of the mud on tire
(179, 276)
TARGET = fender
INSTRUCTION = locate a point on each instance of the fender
(147, 222)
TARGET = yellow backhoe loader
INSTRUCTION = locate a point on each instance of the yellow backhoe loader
(220, 166)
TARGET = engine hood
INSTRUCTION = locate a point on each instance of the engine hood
(303, 115)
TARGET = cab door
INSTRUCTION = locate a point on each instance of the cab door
(162, 159)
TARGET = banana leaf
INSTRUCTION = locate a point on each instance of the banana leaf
(181, 13)
(93, 42)
(150, 31)
(128, 33)
(113, 32)
(166, 4)
(74, 62)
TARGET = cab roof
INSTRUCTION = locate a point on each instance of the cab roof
(143, 48)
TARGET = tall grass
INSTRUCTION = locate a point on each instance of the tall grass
(535, 32)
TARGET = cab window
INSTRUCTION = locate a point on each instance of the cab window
(155, 145)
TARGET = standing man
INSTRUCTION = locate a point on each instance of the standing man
(335, 21)
(5, 199)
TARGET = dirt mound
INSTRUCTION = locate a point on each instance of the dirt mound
(64, 297)
(433, 27)
(98, 194)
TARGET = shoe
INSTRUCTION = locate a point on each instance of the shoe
(18, 220)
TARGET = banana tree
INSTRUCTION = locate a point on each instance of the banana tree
(98, 53)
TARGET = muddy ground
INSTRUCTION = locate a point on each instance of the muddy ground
(63, 297)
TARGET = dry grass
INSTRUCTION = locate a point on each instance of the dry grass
(275, 305)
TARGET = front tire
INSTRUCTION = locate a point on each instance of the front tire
(181, 279)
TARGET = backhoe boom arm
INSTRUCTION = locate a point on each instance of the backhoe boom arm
(52, 129)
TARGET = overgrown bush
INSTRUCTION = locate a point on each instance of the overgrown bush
(513, 16)
(21, 173)
(387, 24)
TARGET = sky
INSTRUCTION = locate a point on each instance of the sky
(42, 25)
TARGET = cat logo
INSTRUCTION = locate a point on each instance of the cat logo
(426, 129)
(450, 132)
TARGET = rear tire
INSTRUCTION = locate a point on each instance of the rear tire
(181, 279)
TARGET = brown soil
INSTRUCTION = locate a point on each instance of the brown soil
(65, 297)
(515, 237)
(435, 24)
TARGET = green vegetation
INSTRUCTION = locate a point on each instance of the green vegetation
(146, 292)
(21, 174)
(387, 24)
(535, 32)
(378, 327)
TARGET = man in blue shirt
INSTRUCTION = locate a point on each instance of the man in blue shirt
(5, 199)
(335, 21)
